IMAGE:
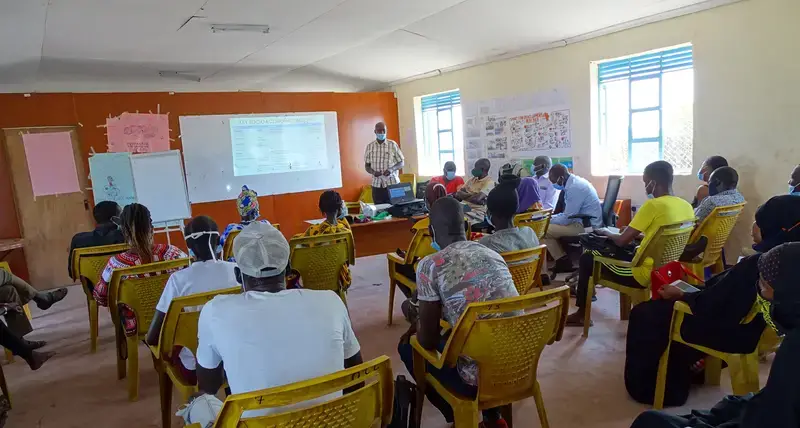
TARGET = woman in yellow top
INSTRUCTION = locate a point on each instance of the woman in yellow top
(662, 208)
(330, 204)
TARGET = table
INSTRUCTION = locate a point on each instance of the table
(9, 245)
(381, 237)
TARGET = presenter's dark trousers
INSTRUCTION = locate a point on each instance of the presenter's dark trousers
(380, 195)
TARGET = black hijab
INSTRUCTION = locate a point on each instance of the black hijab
(779, 221)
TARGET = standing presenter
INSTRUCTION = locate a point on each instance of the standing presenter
(382, 159)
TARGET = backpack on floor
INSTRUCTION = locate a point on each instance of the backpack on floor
(405, 403)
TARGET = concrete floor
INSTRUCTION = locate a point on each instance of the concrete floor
(581, 380)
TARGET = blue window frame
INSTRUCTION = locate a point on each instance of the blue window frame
(645, 90)
(439, 108)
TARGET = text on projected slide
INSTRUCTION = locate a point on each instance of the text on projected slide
(275, 144)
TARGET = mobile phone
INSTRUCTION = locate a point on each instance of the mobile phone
(685, 286)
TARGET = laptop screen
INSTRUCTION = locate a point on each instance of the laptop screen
(400, 192)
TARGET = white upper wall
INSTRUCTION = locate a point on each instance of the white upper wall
(747, 95)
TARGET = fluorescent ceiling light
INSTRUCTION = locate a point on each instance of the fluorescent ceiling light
(247, 28)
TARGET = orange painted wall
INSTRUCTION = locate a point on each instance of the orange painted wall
(357, 114)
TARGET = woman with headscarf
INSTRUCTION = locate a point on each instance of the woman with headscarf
(247, 204)
(527, 187)
(778, 404)
(717, 311)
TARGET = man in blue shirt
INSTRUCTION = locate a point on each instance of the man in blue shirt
(580, 198)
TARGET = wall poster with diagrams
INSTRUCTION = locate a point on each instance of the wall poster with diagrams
(517, 129)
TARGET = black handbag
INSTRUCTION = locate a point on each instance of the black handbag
(606, 246)
(405, 404)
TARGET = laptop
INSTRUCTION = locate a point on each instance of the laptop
(401, 193)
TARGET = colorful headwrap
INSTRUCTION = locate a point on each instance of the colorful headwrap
(247, 203)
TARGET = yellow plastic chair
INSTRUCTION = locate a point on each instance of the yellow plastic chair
(179, 329)
(319, 259)
(716, 228)
(87, 266)
(227, 249)
(369, 406)
(539, 221)
(9, 355)
(665, 246)
(141, 294)
(419, 247)
(526, 267)
(507, 351)
(410, 178)
(743, 367)
(365, 196)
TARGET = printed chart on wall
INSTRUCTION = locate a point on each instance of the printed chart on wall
(518, 128)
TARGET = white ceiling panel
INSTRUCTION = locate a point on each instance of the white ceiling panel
(313, 45)
(21, 37)
(386, 59)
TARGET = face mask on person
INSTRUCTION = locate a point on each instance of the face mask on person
(558, 184)
(477, 172)
(700, 175)
(793, 189)
(450, 175)
(650, 194)
(537, 171)
(381, 136)
(434, 244)
(197, 235)
(488, 220)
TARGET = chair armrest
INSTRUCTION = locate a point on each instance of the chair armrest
(394, 257)
(445, 326)
(614, 262)
(155, 351)
(586, 219)
(433, 357)
(682, 307)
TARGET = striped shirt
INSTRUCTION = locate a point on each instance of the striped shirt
(381, 157)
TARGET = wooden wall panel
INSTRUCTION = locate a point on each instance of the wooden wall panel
(357, 114)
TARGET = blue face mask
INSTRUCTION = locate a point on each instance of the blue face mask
(434, 244)
(380, 137)
(650, 195)
(558, 186)
(488, 220)
(793, 189)
(700, 175)
(191, 254)
(450, 175)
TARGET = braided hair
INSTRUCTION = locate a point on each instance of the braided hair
(137, 227)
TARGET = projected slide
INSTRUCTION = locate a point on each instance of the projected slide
(277, 144)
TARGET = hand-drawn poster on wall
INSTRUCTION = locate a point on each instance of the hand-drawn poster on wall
(138, 133)
(112, 178)
(517, 127)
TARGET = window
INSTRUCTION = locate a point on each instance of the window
(645, 112)
(441, 134)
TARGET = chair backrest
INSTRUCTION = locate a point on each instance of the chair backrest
(227, 248)
(507, 349)
(717, 227)
(539, 221)
(610, 198)
(140, 292)
(666, 245)
(525, 266)
(420, 246)
(319, 259)
(368, 406)
(5, 266)
(88, 263)
(180, 323)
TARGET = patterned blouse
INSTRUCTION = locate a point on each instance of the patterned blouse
(161, 253)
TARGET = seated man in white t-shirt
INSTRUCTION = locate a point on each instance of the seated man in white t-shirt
(269, 336)
(207, 273)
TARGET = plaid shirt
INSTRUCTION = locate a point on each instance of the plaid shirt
(721, 199)
(161, 252)
(381, 157)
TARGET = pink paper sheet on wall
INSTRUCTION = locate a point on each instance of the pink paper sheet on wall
(51, 163)
(138, 133)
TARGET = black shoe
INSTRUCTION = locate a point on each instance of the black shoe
(563, 265)
(545, 279)
(50, 297)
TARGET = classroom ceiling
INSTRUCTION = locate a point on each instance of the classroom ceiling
(312, 45)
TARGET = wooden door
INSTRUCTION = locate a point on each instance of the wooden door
(47, 222)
